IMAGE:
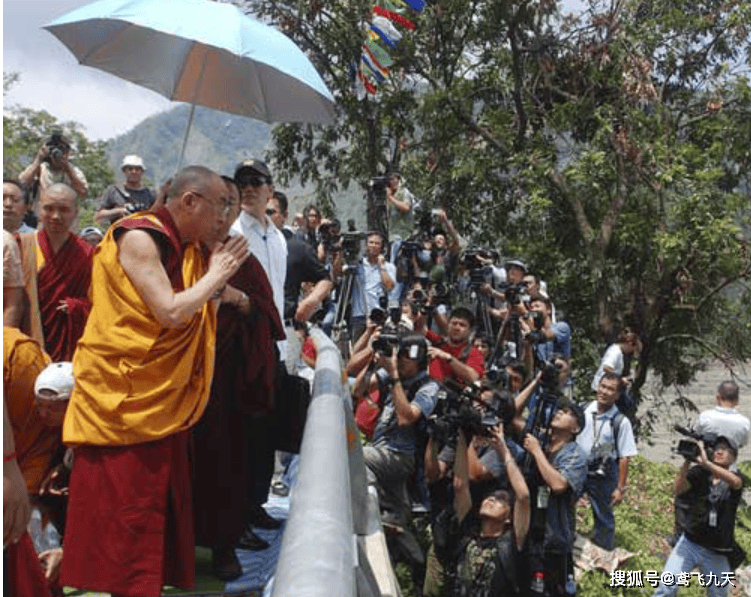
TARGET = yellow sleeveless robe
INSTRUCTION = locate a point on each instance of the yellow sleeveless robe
(135, 380)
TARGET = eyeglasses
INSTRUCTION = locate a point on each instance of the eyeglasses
(227, 203)
(253, 181)
(271, 212)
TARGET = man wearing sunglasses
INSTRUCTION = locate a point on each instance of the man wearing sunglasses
(265, 240)
(268, 245)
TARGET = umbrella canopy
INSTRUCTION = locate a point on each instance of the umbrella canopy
(200, 52)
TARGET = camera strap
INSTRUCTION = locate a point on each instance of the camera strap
(615, 423)
(121, 189)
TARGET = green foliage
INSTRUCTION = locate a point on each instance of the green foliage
(24, 132)
(609, 149)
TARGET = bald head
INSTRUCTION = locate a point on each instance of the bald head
(60, 190)
(728, 392)
(191, 178)
(58, 211)
(197, 199)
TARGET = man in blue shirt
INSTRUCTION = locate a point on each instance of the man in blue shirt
(409, 395)
(376, 278)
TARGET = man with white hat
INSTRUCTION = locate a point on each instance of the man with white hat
(119, 200)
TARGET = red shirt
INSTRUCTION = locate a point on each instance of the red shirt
(440, 369)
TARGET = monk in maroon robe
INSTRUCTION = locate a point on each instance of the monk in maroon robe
(63, 272)
(245, 371)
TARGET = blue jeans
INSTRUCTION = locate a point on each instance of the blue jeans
(687, 555)
(600, 490)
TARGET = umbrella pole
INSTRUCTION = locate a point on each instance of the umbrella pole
(193, 106)
(187, 134)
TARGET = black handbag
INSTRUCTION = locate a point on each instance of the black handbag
(291, 410)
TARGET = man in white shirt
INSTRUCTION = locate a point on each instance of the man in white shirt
(266, 241)
(268, 245)
(724, 419)
(608, 441)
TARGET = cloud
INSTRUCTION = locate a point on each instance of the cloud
(52, 80)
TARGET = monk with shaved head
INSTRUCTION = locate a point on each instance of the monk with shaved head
(57, 265)
(143, 371)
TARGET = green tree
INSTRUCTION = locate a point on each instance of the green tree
(610, 149)
(24, 132)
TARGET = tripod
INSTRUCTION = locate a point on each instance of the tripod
(341, 333)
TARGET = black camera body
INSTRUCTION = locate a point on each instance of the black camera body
(513, 292)
(387, 343)
(597, 467)
(57, 146)
(689, 448)
(456, 409)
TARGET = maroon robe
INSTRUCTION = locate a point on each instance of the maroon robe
(243, 384)
(65, 276)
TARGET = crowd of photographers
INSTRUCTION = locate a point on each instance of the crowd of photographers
(460, 369)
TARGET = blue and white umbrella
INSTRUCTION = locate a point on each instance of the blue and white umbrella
(201, 52)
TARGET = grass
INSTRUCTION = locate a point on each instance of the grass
(644, 522)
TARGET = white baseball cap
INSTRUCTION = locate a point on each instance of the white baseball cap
(133, 160)
(56, 378)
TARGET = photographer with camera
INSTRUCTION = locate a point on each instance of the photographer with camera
(562, 469)
(714, 492)
(400, 205)
(122, 199)
(375, 280)
(454, 357)
(52, 165)
(408, 396)
(617, 359)
(724, 419)
(549, 338)
(608, 441)
(487, 560)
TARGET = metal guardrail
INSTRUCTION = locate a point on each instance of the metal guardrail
(318, 553)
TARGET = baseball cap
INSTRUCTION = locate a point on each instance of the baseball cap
(252, 166)
(574, 408)
(56, 378)
(517, 263)
(133, 160)
(732, 444)
(90, 230)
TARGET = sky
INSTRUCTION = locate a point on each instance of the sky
(52, 80)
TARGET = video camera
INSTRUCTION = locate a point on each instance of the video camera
(57, 145)
(331, 235)
(463, 408)
(689, 448)
(475, 260)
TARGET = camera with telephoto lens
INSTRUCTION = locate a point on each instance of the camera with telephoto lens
(689, 448)
(513, 292)
(56, 145)
(463, 408)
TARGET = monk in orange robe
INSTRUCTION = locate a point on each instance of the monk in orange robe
(143, 370)
(34, 445)
(60, 264)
